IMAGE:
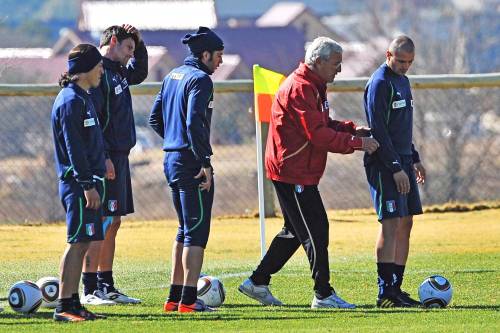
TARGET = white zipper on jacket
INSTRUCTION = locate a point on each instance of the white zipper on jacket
(298, 151)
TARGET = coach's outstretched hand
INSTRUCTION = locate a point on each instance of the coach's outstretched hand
(370, 145)
(93, 199)
(206, 173)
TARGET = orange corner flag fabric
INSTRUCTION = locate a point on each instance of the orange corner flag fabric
(265, 86)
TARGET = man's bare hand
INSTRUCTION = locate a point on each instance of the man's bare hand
(93, 199)
(206, 174)
(110, 169)
(370, 145)
(132, 30)
(402, 182)
(419, 172)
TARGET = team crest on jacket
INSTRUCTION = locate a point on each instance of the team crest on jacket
(299, 188)
(112, 205)
(326, 106)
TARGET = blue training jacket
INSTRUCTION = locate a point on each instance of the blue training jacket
(389, 112)
(78, 141)
(182, 111)
(113, 101)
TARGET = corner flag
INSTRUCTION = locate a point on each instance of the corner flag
(265, 84)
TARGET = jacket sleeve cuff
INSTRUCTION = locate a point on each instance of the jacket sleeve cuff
(415, 157)
(355, 143)
(395, 167)
(350, 127)
(206, 163)
(87, 184)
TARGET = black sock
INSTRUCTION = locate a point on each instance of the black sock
(259, 280)
(89, 281)
(76, 301)
(189, 295)
(175, 293)
(399, 271)
(385, 272)
(324, 294)
(105, 281)
(64, 304)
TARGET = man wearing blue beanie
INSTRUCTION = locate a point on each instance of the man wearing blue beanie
(181, 115)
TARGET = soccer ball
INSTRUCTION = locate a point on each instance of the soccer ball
(435, 292)
(211, 291)
(49, 286)
(25, 297)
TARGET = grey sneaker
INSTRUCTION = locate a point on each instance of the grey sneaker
(260, 293)
(332, 301)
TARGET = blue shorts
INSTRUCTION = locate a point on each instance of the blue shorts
(118, 199)
(193, 206)
(83, 225)
(388, 202)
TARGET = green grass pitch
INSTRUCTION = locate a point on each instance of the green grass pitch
(464, 247)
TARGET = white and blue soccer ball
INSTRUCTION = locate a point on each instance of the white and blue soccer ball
(25, 297)
(435, 292)
(49, 286)
(211, 290)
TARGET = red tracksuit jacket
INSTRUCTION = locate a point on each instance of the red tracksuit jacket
(301, 133)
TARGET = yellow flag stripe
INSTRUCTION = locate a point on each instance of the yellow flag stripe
(266, 81)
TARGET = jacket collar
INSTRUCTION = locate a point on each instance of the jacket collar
(79, 91)
(307, 73)
(113, 65)
(195, 62)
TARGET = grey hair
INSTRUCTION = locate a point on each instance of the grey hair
(321, 47)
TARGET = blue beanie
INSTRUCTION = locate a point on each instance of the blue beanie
(203, 40)
(84, 62)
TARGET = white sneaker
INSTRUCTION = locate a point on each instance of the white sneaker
(95, 299)
(118, 297)
(332, 301)
(260, 293)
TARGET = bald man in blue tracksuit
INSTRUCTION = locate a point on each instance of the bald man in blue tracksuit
(181, 115)
(394, 170)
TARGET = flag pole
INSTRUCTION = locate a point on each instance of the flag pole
(260, 186)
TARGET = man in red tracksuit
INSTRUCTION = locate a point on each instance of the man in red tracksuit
(301, 134)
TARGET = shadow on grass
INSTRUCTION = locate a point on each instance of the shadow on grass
(20, 319)
(475, 307)
(260, 306)
(268, 313)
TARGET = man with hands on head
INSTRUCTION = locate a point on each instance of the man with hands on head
(125, 62)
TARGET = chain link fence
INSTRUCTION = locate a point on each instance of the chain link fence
(456, 130)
